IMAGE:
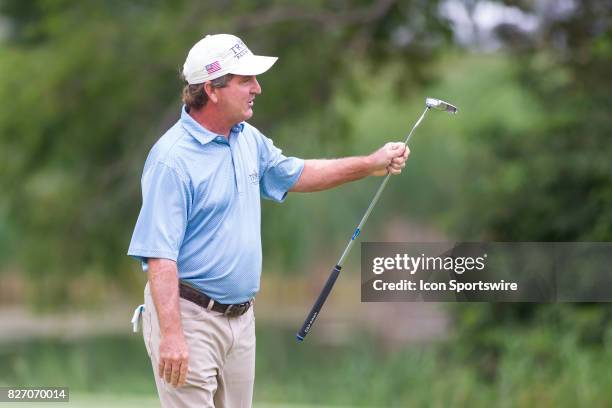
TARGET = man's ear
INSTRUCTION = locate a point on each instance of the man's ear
(211, 92)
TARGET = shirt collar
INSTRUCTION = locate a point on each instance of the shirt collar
(199, 132)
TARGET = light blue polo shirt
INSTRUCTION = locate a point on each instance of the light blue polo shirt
(201, 205)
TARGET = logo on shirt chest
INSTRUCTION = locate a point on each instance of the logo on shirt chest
(254, 177)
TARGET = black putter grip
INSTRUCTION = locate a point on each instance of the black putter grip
(316, 308)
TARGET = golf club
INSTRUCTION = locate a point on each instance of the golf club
(430, 103)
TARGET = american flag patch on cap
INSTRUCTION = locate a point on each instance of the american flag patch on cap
(214, 67)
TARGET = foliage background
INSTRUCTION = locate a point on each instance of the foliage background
(87, 87)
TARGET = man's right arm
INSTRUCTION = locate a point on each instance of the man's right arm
(324, 174)
(173, 352)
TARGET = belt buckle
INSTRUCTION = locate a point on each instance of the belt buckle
(237, 310)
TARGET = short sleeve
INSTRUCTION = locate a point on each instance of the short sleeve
(278, 172)
(162, 221)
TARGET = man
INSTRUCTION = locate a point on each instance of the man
(198, 232)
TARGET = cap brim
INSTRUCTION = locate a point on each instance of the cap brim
(253, 65)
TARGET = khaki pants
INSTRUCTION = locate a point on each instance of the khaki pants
(221, 357)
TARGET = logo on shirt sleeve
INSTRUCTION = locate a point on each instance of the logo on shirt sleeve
(254, 177)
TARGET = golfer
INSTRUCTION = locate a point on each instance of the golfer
(198, 231)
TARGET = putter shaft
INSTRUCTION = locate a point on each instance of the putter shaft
(331, 280)
(381, 188)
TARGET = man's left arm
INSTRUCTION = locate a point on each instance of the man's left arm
(324, 174)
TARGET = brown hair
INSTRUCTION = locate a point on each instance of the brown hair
(194, 95)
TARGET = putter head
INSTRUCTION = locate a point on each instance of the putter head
(440, 105)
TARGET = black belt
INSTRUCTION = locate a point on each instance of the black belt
(193, 295)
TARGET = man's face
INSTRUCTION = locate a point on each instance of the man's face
(237, 97)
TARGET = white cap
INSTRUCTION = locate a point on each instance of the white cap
(216, 55)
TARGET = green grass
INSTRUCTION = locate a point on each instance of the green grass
(530, 367)
(99, 400)
(80, 400)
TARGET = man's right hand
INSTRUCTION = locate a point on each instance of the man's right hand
(173, 359)
(391, 158)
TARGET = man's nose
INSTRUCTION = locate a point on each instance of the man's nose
(256, 87)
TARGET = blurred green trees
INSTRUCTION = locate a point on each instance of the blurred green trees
(87, 87)
(552, 182)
